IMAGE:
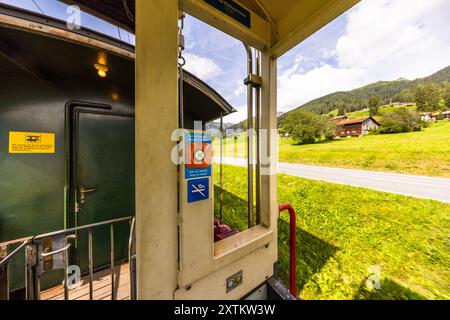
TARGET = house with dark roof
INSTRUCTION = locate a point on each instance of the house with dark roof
(356, 127)
(339, 119)
(429, 116)
(446, 115)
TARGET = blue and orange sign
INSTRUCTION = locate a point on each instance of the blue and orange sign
(198, 159)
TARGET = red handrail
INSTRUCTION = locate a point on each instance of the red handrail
(292, 248)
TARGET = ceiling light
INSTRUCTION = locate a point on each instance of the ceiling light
(102, 70)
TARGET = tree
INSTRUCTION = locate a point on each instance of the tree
(447, 97)
(420, 99)
(342, 111)
(401, 120)
(428, 98)
(374, 105)
(406, 95)
(328, 129)
(307, 127)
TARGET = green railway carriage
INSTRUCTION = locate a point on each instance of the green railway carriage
(67, 132)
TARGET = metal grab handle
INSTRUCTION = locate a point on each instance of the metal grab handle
(83, 192)
(67, 247)
(292, 247)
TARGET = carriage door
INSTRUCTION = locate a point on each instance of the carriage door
(104, 182)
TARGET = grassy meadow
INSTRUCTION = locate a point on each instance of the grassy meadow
(418, 153)
(344, 232)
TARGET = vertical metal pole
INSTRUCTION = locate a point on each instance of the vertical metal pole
(221, 166)
(66, 265)
(28, 276)
(66, 269)
(258, 141)
(36, 284)
(91, 267)
(33, 288)
(113, 285)
(250, 134)
(132, 261)
(181, 63)
(4, 275)
(181, 98)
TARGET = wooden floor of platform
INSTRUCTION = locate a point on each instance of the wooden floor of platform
(102, 287)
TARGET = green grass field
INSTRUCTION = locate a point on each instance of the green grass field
(418, 153)
(343, 231)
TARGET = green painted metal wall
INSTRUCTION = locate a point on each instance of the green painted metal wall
(32, 185)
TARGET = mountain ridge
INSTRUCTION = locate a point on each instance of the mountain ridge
(400, 90)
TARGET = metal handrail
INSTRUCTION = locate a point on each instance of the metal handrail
(5, 260)
(292, 247)
(89, 226)
(17, 241)
(31, 242)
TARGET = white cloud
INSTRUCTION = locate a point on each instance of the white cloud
(238, 116)
(202, 67)
(384, 40)
(240, 90)
(394, 38)
(297, 89)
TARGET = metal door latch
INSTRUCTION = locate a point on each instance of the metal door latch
(83, 192)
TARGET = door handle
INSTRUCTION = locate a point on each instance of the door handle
(83, 192)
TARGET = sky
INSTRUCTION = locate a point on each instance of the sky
(58, 10)
(377, 40)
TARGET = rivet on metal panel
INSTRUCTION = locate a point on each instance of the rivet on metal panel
(234, 281)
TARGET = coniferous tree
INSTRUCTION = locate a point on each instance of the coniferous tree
(374, 105)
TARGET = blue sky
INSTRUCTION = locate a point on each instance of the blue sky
(376, 40)
(58, 9)
(220, 60)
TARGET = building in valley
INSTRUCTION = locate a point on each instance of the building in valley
(356, 127)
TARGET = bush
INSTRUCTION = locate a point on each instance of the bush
(401, 120)
(307, 127)
(440, 117)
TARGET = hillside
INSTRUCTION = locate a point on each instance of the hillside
(401, 90)
(216, 125)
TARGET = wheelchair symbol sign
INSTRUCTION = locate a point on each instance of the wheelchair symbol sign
(198, 190)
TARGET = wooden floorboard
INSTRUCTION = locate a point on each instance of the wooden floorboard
(102, 289)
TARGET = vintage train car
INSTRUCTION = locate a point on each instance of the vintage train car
(67, 130)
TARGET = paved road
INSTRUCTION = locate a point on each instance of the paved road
(415, 186)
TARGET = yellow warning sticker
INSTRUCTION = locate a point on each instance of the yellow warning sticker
(31, 142)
